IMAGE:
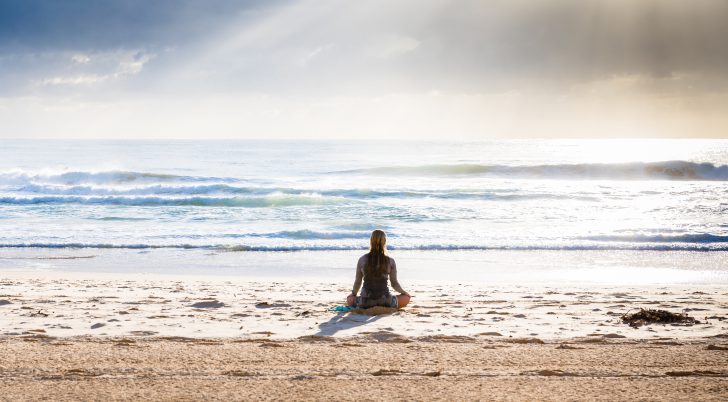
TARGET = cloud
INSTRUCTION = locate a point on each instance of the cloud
(395, 45)
(509, 67)
(73, 80)
(80, 59)
(133, 63)
(463, 45)
(108, 66)
(388, 46)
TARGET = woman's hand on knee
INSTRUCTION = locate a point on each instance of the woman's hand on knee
(403, 299)
(350, 300)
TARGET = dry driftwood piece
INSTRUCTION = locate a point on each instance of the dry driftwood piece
(649, 316)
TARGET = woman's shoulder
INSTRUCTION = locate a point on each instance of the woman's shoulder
(364, 258)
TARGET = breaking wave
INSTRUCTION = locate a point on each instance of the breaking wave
(58, 191)
(668, 170)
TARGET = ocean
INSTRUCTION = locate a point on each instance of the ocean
(243, 198)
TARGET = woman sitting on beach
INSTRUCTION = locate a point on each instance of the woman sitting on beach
(375, 268)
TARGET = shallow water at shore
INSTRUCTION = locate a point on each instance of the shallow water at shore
(478, 267)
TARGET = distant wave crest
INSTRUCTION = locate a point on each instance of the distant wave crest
(94, 182)
(273, 200)
(668, 170)
(19, 176)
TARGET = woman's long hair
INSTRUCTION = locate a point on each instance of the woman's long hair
(377, 261)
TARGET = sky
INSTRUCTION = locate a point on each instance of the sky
(375, 69)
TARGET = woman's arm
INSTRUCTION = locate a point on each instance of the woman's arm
(393, 277)
(358, 279)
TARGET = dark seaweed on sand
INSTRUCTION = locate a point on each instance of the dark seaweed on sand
(649, 316)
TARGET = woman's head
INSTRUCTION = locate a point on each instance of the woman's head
(378, 242)
(377, 262)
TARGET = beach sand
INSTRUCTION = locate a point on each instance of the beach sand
(70, 336)
(367, 367)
